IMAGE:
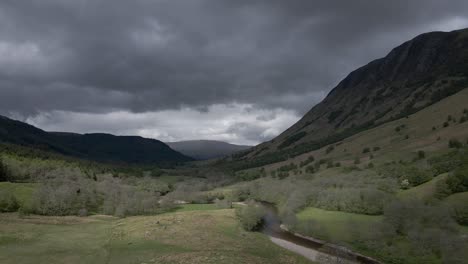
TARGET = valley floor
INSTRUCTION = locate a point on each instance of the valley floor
(192, 235)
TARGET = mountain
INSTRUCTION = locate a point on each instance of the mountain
(206, 149)
(414, 75)
(97, 147)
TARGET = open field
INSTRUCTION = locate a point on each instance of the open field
(205, 236)
(22, 191)
(337, 225)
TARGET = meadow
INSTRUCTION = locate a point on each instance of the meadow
(195, 234)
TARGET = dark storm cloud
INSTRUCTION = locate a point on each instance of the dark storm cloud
(103, 56)
(152, 55)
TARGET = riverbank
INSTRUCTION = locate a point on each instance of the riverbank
(316, 250)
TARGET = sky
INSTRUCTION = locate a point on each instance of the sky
(240, 71)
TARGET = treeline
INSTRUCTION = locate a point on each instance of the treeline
(64, 187)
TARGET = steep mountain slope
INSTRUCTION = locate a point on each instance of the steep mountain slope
(205, 149)
(411, 77)
(98, 147)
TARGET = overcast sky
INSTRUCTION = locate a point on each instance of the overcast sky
(241, 71)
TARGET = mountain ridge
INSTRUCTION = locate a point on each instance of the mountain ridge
(412, 76)
(206, 149)
(92, 146)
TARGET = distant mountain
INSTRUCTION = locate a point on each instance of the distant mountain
(414, 75)
(206, 149)
(97, 147)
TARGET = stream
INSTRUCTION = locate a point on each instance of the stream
(312, 249)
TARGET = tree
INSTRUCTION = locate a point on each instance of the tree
(3, 171)
(250, 216)
(421, 154)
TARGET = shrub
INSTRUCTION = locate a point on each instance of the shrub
(8, 202)
(283, 175)
(357, 160)
(250, 216)
(310, 169)
(421, 154)
(455, 143)
(330, 149)
(376, 148)
(310, 159)
(366, 150)
(458, 181)
(446, 124)
(329, 164)
(3, 171)
(448, 162)
(460, 213)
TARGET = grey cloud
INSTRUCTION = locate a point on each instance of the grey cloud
(106, 56)
(165, 54)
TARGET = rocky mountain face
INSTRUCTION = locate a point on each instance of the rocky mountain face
(412, 76)
(96, 147)
(206, 149)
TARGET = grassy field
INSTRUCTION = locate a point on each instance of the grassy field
(424, 191)
(337, 225)
(22, 191)
(195, 207)
(193, 235)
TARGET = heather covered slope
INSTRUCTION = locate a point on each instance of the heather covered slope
(97, 147)
(411, 77)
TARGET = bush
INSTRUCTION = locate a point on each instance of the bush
(366, 150)
(3, 171)
(376, 148)
(458, 181)
(8, 202)
(250, 216)
(455, 143)
(357, 160)
(421, 154)
(448, 162)
(310, 169)
(330, 149)
(310, 159)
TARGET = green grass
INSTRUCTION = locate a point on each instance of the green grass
(203, 236)
(456, 199)
(337, 225)
(423, 191)
(22, 191)
(195, 207)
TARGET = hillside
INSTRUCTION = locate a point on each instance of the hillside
(97, 147)
(414, 75)
(205, 149)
